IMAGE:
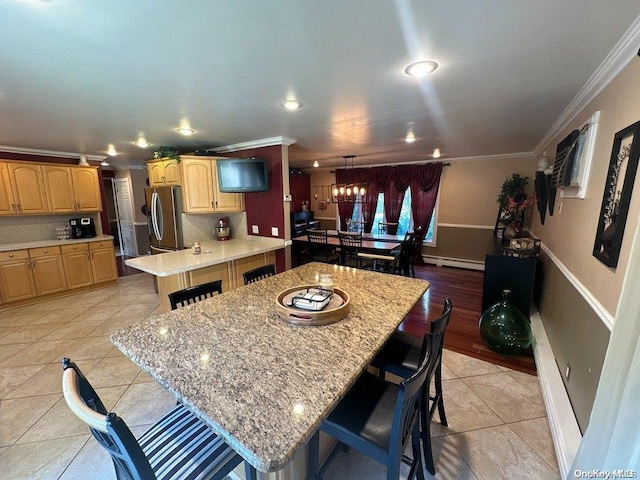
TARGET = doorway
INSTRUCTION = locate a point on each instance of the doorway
(124, 208)
(112, 214)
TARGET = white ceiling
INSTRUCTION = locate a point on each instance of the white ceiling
(77, 75)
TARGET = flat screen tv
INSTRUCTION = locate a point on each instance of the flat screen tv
(241, 175)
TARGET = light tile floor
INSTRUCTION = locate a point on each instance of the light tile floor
(497, 423)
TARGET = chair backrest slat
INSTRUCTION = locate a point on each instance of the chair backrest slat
(190, 295)
(108, 429)
(259, 273)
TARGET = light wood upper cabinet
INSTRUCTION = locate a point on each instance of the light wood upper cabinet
(28, 187)
(200, 190)
(7, 203)
(40, 188)
(163, 172)
(86, 187)
(72, 189)
(58, 184)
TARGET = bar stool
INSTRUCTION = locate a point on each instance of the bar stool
(177, 447)
(401, 356)
(190, 295)
(259, 273)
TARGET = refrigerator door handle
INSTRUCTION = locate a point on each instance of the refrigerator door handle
(156, 212)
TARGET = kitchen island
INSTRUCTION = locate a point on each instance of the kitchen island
(226, 261)
(261, 383)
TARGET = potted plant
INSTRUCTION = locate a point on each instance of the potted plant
(513, 202)
(167, 152)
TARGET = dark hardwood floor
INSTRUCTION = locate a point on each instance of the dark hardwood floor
(464, 287)
(124, 270)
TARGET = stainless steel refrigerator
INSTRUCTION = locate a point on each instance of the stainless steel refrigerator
(164, 209)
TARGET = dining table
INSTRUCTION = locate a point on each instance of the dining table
(260, 382)
(376, 247)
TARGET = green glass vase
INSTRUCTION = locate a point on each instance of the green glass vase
(504, 328)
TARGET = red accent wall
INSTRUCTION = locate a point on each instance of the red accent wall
(300, 188)
(266, 209)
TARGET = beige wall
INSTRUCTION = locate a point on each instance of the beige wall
(570, 233)
(469, 188)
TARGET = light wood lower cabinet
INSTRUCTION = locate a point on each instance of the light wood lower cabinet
(103, 265)
(77, 265)
(16, 279)
(48, 270)
(229, 272)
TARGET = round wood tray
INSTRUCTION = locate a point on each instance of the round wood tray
(298, 316)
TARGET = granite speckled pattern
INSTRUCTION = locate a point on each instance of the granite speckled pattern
(5, 247)
(261, 383)
(213, 253)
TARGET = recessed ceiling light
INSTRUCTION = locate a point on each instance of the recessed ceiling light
(316, 164)
(291, 104)
(185, 131)
(410, 138)
(111, 150)
(421, 69)
(142, 143)
(436, 153)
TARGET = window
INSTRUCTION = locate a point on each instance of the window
(405, 221)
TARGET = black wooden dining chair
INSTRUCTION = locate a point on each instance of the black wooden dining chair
(259, 273)
(350, 244)
(387, 228)
(177, 447)
(378, 418)
(319, 247)
(190, 295)
(401, 356)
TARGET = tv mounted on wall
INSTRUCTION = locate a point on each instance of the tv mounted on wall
(241, 175)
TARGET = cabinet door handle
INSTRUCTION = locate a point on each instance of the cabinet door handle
(34, 265)
(45, 250)
(13, 207)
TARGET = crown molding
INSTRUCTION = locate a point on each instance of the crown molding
(623, 52)
(50, 153)
(264, 142)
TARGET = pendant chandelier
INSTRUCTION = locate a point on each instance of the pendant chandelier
(348, 192)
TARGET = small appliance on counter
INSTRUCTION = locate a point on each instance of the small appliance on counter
(223, 229)
(82, 227)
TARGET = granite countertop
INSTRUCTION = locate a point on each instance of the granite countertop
(263, 384)
(213, 253)
(5, 247)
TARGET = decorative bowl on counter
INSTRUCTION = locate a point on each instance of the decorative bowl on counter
(337, 308)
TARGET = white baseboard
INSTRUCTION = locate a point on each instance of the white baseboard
(453, 262)
(562, 421)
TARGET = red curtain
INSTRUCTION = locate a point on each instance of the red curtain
(400, 178)
(425, 180)
(379, 178)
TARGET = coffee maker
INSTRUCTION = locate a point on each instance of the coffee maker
(82, 227)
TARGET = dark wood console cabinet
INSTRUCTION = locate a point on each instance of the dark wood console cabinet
(516, 274)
